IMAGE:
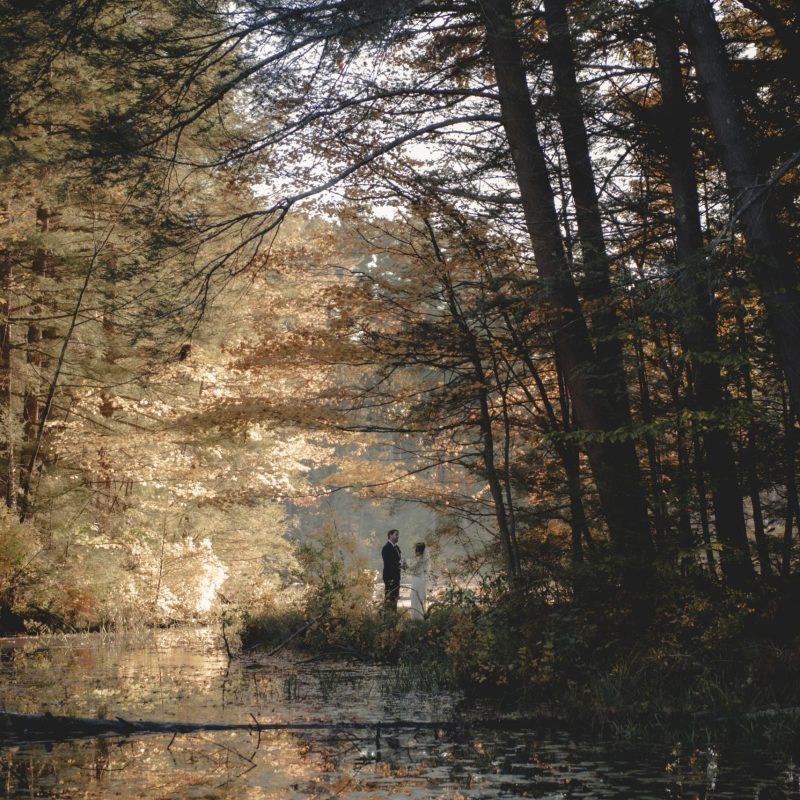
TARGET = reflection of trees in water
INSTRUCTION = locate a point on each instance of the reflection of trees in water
(181, 675)
(154, 766)
(60, 770)
(235, 763)
(424, 762)
(117, 672)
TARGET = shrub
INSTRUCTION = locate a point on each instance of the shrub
(20, 572)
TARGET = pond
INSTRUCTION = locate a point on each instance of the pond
(450, 751)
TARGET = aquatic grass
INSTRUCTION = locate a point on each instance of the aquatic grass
(407, 676)
(332, 681)
(329, 682)
(291, 687)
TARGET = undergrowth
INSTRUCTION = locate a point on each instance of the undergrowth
(702, 662)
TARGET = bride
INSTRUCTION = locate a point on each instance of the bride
(419, 581)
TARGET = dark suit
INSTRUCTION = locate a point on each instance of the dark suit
(392, 559)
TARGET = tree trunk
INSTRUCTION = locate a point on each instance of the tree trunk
(571, 458)
(656, 487)
(792, 504)
(30, 403)
(501, 385)
(686, 540)
(702, 503)
(579, 528)
(697, 316)
(750, 460)
(614, 464)
(34, 356)
(771, 265)
(8, 466)
(44, 413)
(596, 286)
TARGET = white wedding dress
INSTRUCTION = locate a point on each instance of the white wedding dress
(419, 586)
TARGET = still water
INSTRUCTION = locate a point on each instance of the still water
(185, 676)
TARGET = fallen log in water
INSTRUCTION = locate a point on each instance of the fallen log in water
(47, 726)
(50, 727)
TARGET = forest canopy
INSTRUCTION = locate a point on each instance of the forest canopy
(532, 265)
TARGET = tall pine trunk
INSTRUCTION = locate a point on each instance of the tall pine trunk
(697, 323)
(771, 265)
(599, 408)
(596, 286)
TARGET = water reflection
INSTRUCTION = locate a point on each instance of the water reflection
(184, 676)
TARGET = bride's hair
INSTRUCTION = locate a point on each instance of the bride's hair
(419, 548)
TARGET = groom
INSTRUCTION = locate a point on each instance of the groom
(392, 562)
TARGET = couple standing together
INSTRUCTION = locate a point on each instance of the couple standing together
(393, 563)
